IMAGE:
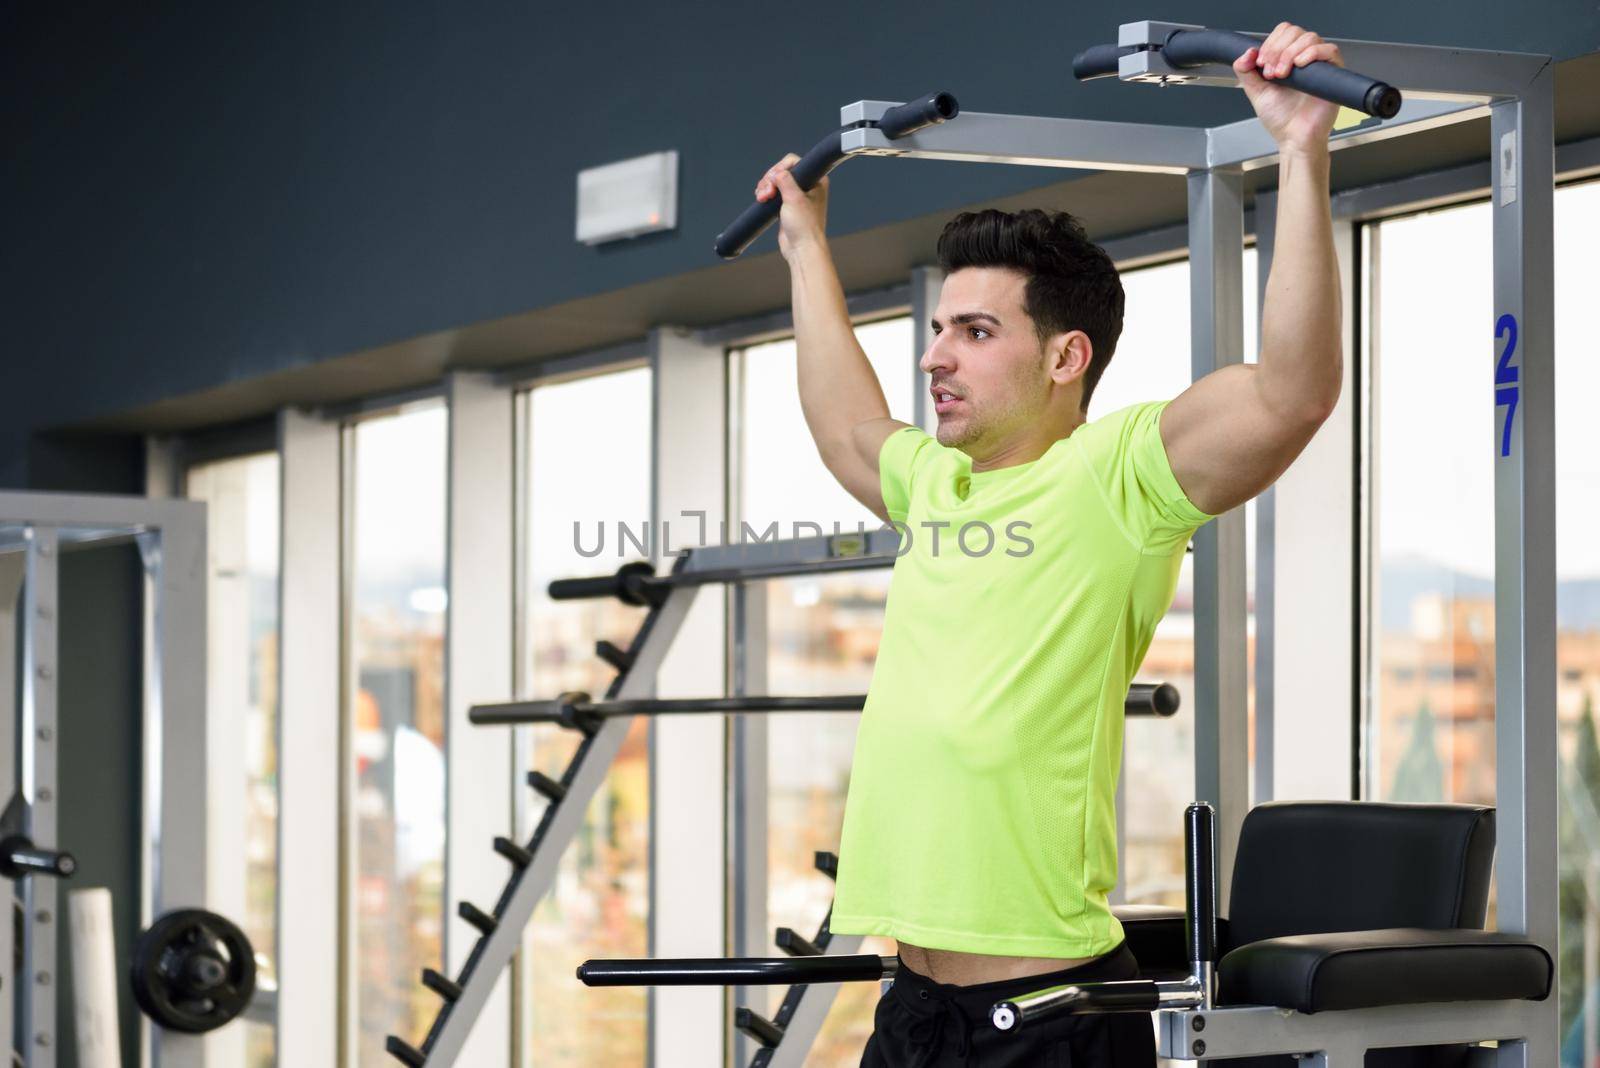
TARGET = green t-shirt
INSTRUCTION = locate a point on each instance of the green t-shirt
(982, 809)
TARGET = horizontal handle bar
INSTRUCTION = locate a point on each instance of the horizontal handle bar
(1144, 699)
(1132, 995)
(1197, 48)
(736, 971)
(824, 156)
(513, 712)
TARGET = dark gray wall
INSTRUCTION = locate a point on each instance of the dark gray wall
(198, 194)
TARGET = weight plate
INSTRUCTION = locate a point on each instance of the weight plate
(193, 971)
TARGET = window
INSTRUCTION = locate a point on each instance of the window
(241, 497)
(395, 721)
(822, 639)
(1152, 363)
(1429, 732)
(576, 503)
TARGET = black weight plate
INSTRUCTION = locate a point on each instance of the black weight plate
(193, 971)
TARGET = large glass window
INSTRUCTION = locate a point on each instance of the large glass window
(1577, 217)
(395, 721)
(242, 500)
(1152, 363)
(1429, 733)
(822, 638)
(584, 484)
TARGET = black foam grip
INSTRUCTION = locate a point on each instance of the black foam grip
(824, 156)
(578, 589)
(1194, 48)
(1099, 61)
(1200, 863)
(918, 114)
(732, 971)
(1152, 699)
(629, 585)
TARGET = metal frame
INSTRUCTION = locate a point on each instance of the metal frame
(1443, 86)
(35, 528)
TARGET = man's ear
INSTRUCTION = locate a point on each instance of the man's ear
(1070, 355)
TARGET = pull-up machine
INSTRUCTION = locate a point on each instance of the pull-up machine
(1404, 88)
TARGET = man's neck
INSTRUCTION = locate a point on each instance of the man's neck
(1024, 448)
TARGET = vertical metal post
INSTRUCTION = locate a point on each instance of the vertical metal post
(1216, 298)
(1522, 199)
(689, 770)
(180, 744)
(478, 651)
(13, 566)
(926, 282)
(309, 994)
(1266, 540)
(747, 815)
(524, 809)
(37, 788)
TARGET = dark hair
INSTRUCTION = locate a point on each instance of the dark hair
(1072, 283)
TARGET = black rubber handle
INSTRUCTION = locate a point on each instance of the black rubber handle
(1099, 61)
(20, 857)
(918, 114)
(1195, 48)
(1152, 699)
(1130, 995)
(629, 585)
(900, 120)
(814, 166)
(1200, 882)
(735, 971)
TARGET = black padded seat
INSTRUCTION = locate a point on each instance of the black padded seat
(1313, 870)
(1395, 966)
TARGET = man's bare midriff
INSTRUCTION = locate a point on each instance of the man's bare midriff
(967, 969)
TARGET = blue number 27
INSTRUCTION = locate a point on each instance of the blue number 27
(1505, 377)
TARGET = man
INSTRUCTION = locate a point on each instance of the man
(980, 828)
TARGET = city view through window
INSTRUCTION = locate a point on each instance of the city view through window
(1430, 729)
(395, 717)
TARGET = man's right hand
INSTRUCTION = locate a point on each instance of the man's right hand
(803, 220)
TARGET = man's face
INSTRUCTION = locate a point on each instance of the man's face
(988, 371)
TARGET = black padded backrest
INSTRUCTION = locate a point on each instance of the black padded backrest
(1314, 867)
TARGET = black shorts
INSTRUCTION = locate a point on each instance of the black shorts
(923, 1024)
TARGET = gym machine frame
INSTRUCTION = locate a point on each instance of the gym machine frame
(1440, 86)
(604, 725)
(170, 536)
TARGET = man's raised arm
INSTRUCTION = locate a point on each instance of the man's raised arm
(1231, 434)
(839, 392)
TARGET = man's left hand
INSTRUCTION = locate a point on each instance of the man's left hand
(1295, 120)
